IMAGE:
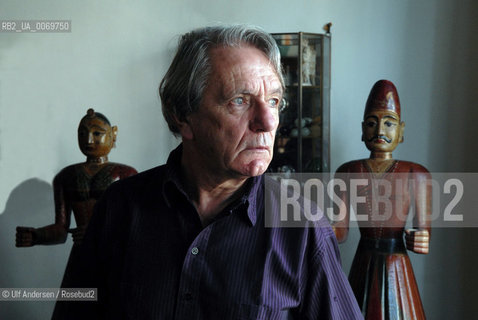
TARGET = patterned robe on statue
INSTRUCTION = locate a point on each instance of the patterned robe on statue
(381, 275)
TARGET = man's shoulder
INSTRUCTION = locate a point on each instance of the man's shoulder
(281, 204)
(141, 182)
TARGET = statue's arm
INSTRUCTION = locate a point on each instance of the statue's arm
(54, 233)
(418, 238)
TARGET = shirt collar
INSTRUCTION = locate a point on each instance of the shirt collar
(252, 198)
(171, 185)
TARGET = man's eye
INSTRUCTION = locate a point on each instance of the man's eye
(239, 101)
(97, 133)
(370, 124)
(274, 102)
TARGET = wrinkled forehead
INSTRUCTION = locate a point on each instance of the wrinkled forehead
(243, 69)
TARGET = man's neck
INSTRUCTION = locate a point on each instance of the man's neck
(209, 192)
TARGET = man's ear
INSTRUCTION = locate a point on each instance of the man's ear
(184, 128)
(402, 128)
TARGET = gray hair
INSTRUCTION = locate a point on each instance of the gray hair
(183, 85)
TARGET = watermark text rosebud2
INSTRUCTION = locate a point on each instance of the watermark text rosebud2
(391, 200)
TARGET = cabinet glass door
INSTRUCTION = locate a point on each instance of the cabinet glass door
(302, 140)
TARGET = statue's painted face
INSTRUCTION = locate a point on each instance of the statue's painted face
(382, 130)
(95, 137)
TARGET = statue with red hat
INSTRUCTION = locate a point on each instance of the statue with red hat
(381, 191)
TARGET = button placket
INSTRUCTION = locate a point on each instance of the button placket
(187, 304)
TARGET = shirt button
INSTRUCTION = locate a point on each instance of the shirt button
(195, 251)
(187, 296)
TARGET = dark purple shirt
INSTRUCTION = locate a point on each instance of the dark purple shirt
(150, 258)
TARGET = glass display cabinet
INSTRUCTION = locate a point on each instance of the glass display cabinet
(302, 139)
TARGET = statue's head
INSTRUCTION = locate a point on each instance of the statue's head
(382, 129)
(96, 136)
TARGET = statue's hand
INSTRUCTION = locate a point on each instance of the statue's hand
(417, 240)
(78, 234)
(25, 237)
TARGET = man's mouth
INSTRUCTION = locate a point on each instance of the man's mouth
(258, 149)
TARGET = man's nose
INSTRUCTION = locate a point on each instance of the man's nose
(91, 138)
(265, 117)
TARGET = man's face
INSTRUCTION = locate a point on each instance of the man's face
(95, 137)
(233, 130)
(382, 130)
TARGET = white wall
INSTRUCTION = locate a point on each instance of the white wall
(118, 51)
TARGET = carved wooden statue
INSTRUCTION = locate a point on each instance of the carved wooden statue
(381, 274)
(78, 187)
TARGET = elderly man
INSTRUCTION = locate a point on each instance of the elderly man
(187, 240)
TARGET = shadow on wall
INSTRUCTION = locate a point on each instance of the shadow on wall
(29, 204)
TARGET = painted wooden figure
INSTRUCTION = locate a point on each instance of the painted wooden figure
(381, 274)
(77, 187)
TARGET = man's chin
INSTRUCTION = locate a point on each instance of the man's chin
(255, 168)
